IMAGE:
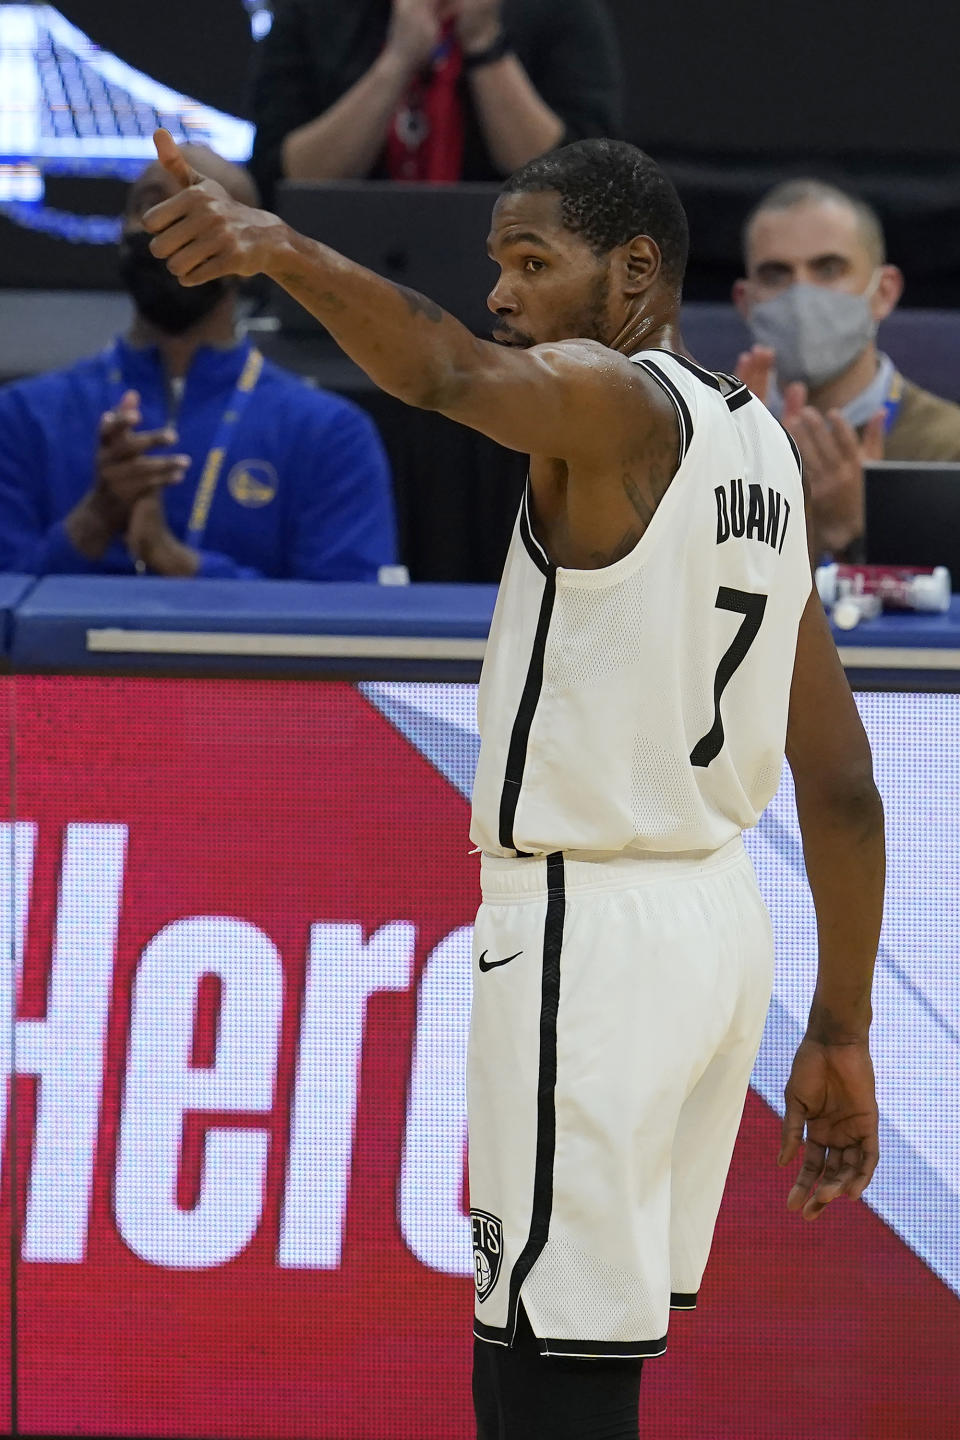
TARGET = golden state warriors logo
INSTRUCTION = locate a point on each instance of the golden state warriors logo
(487, 1250)
(253, 483)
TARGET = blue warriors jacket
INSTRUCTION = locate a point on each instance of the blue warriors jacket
(302, 490)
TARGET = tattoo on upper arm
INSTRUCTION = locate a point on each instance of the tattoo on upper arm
(330, 302)
(661, 466)
(602, 558)
(419, 304)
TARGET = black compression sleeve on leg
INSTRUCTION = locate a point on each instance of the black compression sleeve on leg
(486, 1390)
(520, 1394)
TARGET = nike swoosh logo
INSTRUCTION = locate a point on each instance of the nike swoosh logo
(486, 964)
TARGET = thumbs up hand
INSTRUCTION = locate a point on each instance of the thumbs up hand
(202, 233)
(173, 160)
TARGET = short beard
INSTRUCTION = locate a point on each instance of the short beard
(593, 323)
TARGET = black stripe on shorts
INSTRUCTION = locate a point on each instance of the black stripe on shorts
(682, 1301)
(605, 1349)
(542, 1204)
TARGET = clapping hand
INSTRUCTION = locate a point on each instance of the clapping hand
(125, 469)
(755, 368)
(415, 29)
(479, 22)
(152, 544)
(832, 452)
(417, 25)
(124, 472)
(833, 456)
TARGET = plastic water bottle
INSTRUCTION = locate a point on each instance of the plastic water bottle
(897, 587)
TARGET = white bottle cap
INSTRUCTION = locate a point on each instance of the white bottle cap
(932, 592)
(848, 612)
(393, 575)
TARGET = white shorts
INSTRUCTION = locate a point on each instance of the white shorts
(618, 1008)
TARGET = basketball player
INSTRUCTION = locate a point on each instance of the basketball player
(657, 645)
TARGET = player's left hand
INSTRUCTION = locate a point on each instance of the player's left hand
(832, 1093)
(201, 232)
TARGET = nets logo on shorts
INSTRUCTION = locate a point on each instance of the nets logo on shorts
(487, 1250)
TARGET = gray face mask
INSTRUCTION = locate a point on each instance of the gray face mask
(814, 331)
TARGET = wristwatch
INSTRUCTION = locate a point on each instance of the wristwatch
(500, 47)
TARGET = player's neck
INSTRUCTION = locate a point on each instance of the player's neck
(847, 386)
(218, 329)
(648, 332)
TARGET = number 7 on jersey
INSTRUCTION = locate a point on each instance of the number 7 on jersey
(751, 607)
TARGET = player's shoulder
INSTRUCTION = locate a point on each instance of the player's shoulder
(625, 401)
(576, 351)
(646, 367)
(593, 364)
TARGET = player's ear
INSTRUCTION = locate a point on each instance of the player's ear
(889, 289)
(741, 297)
(642, 264)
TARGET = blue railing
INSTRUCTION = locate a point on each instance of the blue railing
(95, 623)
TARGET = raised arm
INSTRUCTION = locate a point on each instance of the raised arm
(563, 400)
(831, 1087)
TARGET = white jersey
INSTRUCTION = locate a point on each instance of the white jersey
(643, 706)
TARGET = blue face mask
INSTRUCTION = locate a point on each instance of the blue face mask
(815, 332)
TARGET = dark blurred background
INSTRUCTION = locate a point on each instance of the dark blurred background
(731, 98)
(745, 80)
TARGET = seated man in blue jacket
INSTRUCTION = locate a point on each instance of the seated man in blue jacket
(180, 451)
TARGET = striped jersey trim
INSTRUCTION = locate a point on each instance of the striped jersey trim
(605, 1349)
(707, 376)
(738, 394)
(531, 544)
(526, 710)
(796, 452)
(679, 403)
